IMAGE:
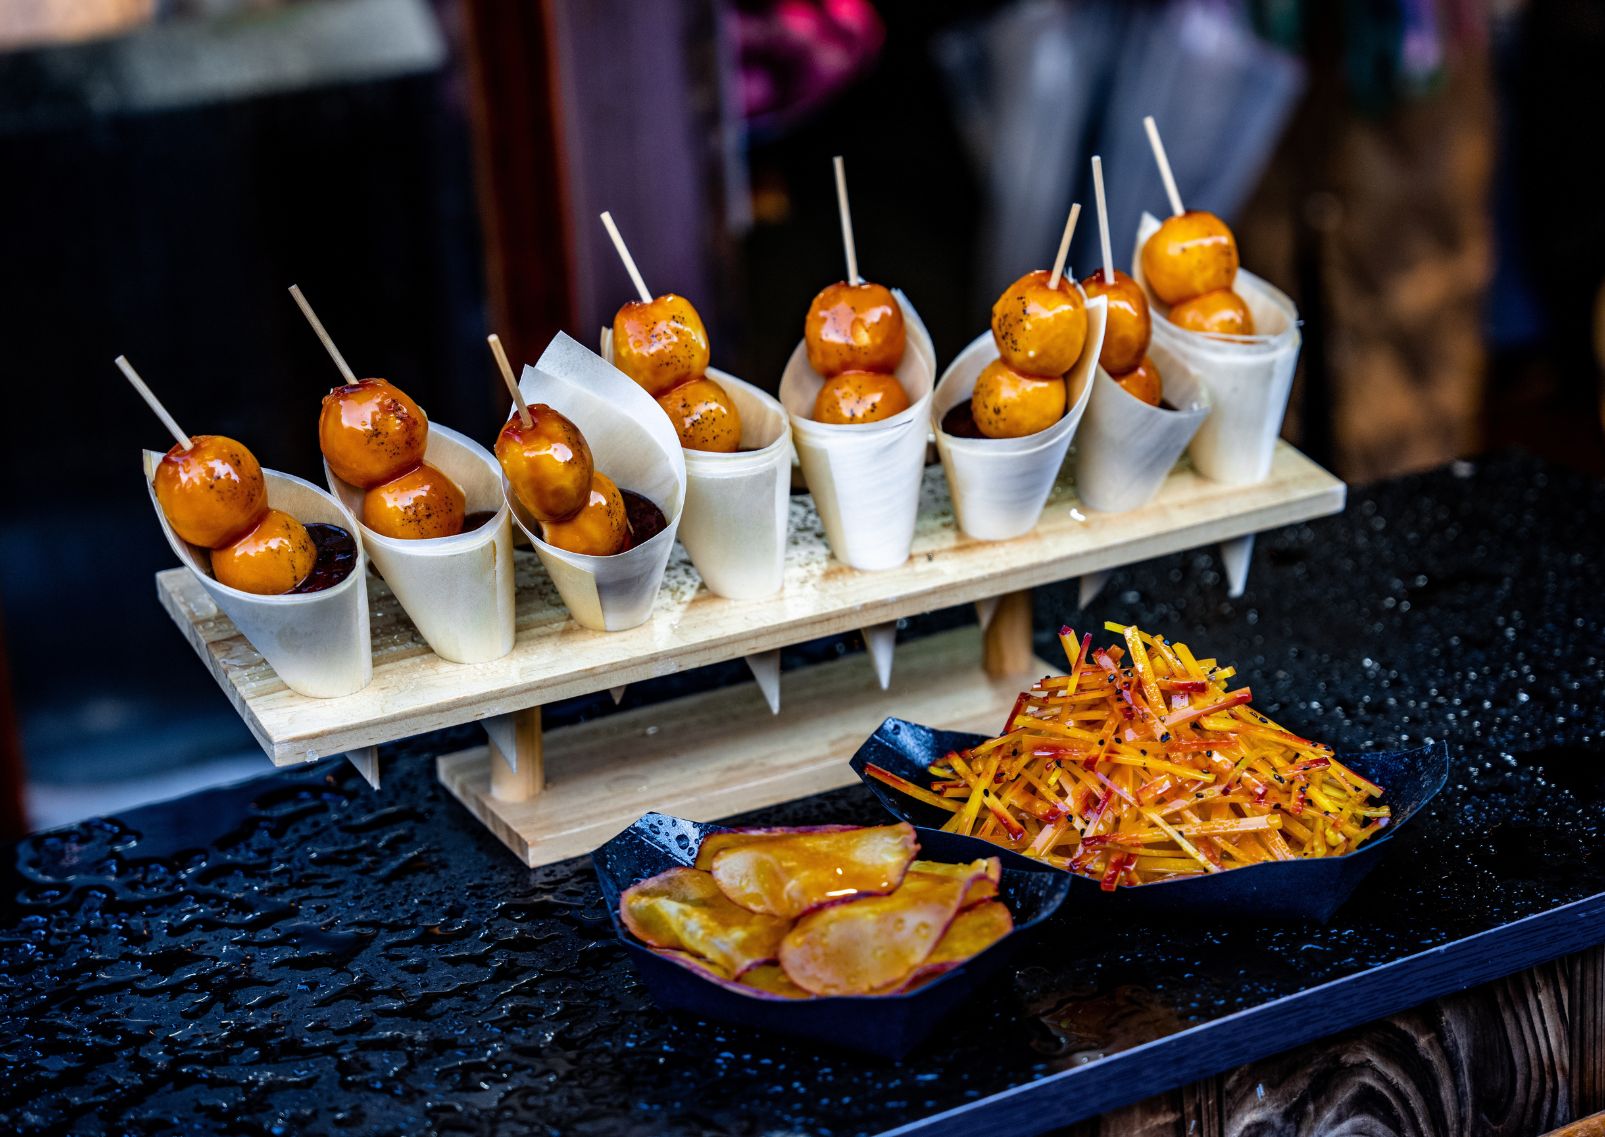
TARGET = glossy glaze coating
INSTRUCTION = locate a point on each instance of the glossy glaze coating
(420, 504)
(660, 343)
(703, 415)
(1040, 330)
(599, 529)
(1128, 325)
(548, 463)
(371, 432)
(1007, 404)
(1188, 255)
(1221, 313)
(269, 560)
(860, 396)
(854, 327)
(212, 492)
(1143, 381)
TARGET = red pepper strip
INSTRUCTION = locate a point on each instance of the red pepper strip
(1117, 865)
(1184, 686)
(1235, 699)
(1008, 723)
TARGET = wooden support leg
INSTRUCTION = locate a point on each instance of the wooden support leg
(521, 775)
(1006, 642)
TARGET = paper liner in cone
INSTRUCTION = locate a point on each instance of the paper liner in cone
(1126, 447)
(736, 505)
(633, 443)
(999, 485)
(865, 478)
(458, 590)
(317, 642)
(1248, 378)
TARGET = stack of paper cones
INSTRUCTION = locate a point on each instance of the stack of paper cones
(736, 505)
(458, 590)
(865, 477)
(999, 485)
(634, 444)
(317, 642)
(1248, 378)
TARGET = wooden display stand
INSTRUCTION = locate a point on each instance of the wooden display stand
(714, 754)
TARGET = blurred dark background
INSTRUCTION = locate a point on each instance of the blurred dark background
(1416, 173)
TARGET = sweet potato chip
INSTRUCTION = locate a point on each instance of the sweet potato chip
(795, 873)
(769, 977)
(972, 931)
(986, 874)
(715, 843)
(703, 967)
(684, 909)
(875, 941)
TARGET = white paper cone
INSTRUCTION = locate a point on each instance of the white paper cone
(1248, 378)
(865, 478)
(457, 590)
(999, 485)
(1235, 556)
(366, 761)
(880, 640)
(765, 668)
(635, 445)
(737, 505)
(317, 642)
(1126, 447)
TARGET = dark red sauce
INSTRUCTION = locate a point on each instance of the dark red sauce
(477, 518)
(337, 556)
(960, 422)
(646, 519)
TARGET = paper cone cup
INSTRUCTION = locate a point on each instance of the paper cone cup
(317, 642)
(999, 485)
(1126, 447)
(737, 505)
(457, 590)
(635, 445)
(866, 478)
(1248, 378)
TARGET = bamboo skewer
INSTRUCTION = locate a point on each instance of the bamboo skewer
(848, 247)
(1064, 245)
(1103, 221)
(624, 255)
(154, 403)
(1171, 192)
(506, 369)
(323, 335)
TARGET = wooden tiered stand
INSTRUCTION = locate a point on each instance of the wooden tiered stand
(709, 755)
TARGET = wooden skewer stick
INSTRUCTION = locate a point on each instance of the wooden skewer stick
(1103, 220)
(495, 342)
(1164, 165)
(847, 223)
(328, 344)
(154, 403)
(1064, 245)
(624, 255)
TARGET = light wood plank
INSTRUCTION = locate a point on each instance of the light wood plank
(603, 774)
(413, 691)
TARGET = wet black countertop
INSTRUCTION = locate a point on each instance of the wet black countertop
(300, 954)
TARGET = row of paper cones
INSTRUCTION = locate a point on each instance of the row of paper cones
(730, 510)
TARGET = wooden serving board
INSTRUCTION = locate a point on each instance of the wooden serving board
(414, 691)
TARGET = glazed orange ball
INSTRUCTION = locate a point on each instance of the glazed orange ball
(371, 432)
(1007, 404)
(1143, 382)
(1220, 313)
(548, 463)
(854, 327)
(421, 503)
(1040, 330)
(660, 343)
(270, 559)
(859, 396)
(599, 529)
(703, 416)
(212, 492)
(1127, 326)
(1188, 255)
